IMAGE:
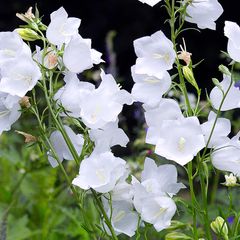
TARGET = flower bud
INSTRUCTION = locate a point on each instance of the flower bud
(223, 69)
(177, 236)
(219, 226)
(215, 81)
(24, 102)
(188, 74)
(27, 34)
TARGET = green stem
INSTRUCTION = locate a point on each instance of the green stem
(215, 121)
(60, 125)
(74, 191)
(193, 200)
(179, 68)
(215, 187)
(55, 155)
(204, 188)
(204, 193)
(106, 218)
(237, 221)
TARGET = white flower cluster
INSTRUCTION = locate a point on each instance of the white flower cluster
(175, 136)
(151, 198)
(18, 75)
(98, 108)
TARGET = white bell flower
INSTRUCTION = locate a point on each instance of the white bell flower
(105, 103)
(9, 111)
(100, 171)
(150, 2)
(79, 56)
(12, 47)
(152, 196)
(162, 179)
(61, 28)
(73, 93)
(19, 76)
(156, 209)
(180, 140)
(221, 130)
(149, 89)
(61, 148)
(226, 157)
(168, 109)
(123, 218)
(108, 136)
(155, 54)
(232, 31)
(204, 13)
(232, 100)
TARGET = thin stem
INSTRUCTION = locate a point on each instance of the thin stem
(56, 156)
(193, 200)
(204, 191)
(236, 225)
(106, 218)
(60, 126)
(74, 191)
(204, 187)
(217, 116)
(181, 78)
(215, 187)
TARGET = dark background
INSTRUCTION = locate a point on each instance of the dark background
(131, 19)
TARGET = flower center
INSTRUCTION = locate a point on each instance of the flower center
(4, 113)
(181, 144)
(120, 215)
(151, 80)
(100, 175)
(160, 212)
(9, 52)
(165, 56)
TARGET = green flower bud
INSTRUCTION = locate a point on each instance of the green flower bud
(219, 226)
(176, 225)
(177, 236)
(223, 69)
(27, 34)
(188, 74)
(215, 81)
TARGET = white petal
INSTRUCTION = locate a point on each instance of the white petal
(77, 56)
(19, 76)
